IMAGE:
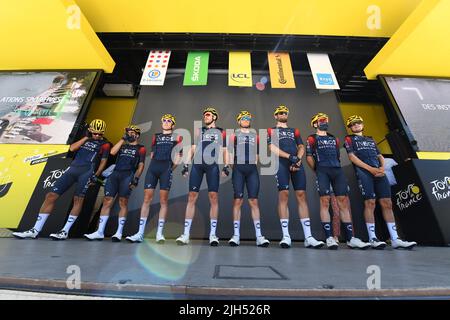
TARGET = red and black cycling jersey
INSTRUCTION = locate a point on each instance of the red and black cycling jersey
(129, 157)
(324, 149)
(163, 144)
(91, 152)
(286, 139)
(245, 146)
(364, 147)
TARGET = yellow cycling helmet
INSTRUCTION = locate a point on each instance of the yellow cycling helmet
(243, 113)
(352, 119)
(212, 110)
(134, 128)
(281, 109)
(170, 117)
(97, 126)
(317, 117)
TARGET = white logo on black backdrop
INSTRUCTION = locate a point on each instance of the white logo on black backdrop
(51, 179)
(441, 188)
(408, 196)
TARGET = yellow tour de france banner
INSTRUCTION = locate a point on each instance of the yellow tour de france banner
(20, 169)
(281, 75)
(240, 69)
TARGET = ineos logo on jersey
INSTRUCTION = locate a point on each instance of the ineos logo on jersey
(365, 144)
(246, 139)
(211, 136)
(166, 139)
(326, 143)
(129, 151)
(90, 146)
(286, 135)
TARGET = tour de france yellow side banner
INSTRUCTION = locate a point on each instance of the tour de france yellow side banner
(281, 75)
(20, 169)
(240, 69)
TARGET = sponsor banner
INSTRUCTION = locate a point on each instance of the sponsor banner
(281, 75)
(20, 169)
(240, 69)
(155, 68)
(196, 73)
(322, 71)
(41, 107)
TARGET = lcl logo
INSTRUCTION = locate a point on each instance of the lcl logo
(239, 76)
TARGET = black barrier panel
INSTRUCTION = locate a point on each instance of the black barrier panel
(53, 170)
(421, 200)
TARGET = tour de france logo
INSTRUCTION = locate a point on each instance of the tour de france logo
(49, 181)
(408, 197)
(441, 188)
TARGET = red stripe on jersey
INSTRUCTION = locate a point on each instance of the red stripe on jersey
(311, 141)
(297, 133)
(233, 138)
(153, 140)
(348, 140)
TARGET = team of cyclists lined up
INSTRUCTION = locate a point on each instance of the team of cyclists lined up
(240, 152)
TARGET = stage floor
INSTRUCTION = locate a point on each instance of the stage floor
(198, 271)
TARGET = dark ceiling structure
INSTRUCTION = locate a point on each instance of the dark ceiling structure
(348, 55)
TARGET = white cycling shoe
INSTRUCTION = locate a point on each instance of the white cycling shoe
(311, 242)
(29, 234)
(135, 238)
(95, 236)
(286, 242)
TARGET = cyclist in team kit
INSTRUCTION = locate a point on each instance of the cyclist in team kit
(209, 144)
(287, 144)
(92, 153)
(244, 145)
(369, 168)
(163, 161)
(124, 178)
(323, 156)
